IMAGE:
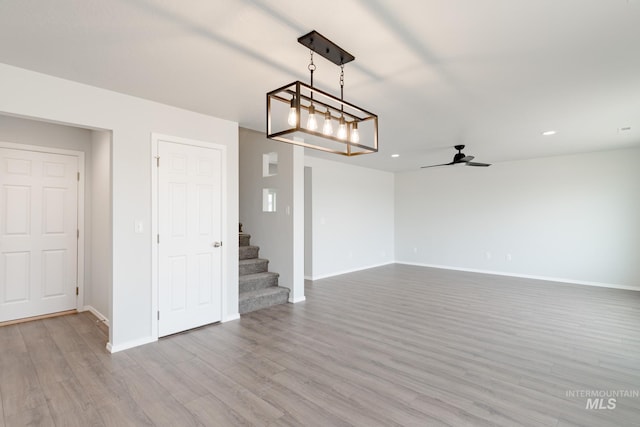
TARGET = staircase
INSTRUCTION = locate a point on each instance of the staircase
(258, 287)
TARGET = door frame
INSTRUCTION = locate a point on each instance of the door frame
(155, 140)
(80, 208)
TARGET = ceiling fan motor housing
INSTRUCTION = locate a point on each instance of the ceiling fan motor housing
(458, 157)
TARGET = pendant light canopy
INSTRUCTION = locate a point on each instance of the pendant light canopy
(296, 110)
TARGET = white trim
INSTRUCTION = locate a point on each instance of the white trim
(81, 227)
(231, 317)
(39, 148)
(525, 276)
(338, 273)
(96, 313)
(155, 139)
(80, 207)
(308, 278)
(154, 233)
(297, 300)
(129, 344)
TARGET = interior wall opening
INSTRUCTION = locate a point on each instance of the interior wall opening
(97, 226)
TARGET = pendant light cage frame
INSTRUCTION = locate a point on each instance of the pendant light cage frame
(289, 109)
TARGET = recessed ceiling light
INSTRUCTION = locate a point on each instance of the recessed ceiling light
(395, 155)
(624, 129)
(549, 133)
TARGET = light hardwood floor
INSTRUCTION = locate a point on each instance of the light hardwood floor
(395, 345)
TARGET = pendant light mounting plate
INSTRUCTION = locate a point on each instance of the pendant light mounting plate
(325, 48)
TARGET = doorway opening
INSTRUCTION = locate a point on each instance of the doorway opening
(48, 151)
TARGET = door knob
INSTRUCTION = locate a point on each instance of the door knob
(217, 244)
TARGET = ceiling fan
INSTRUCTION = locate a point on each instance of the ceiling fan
(460, 158)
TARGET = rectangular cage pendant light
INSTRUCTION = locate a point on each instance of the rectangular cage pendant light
(301, 114)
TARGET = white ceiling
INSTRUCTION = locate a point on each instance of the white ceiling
(491, 74)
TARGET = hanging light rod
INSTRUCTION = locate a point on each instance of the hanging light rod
(301, 114)
(326, 48)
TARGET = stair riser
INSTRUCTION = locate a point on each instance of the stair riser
(245, 239)
(263, 302)
(252, 285)
(256, 267)
(249, 252)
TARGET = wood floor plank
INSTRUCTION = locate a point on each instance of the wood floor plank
(242, 401)
(156, 402)
(212, 412)
(89, 417)
(122, 414)
(104, 387)
(299, 411)
(11, 340)
(21, 390)
(64, 335)
(38, 416)
(47, 358)
(65, 397)
(179, 386)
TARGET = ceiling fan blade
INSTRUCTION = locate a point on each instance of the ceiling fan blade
(460, 159)
(433, 166)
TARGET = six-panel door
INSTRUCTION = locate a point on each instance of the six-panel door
(38, 233)
(190, 227)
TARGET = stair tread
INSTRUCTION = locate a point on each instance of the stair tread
(255, 276)
(262, 292)
(253, 260)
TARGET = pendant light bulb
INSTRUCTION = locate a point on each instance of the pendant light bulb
(312, 122)
(293, 115)
(342, 129)
(327, 127)
(355, 135)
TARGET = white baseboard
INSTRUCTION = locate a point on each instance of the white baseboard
(130, 344)
(96, 313)
(297, 300)
(231, 317)
(524, 276)
(338, 273)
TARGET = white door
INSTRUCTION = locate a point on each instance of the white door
(190, 230)
(38, 233)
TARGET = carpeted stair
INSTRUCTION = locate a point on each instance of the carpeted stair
(258, 287)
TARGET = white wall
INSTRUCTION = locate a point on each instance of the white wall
(100, 261)
(353, 217)
(132, 120)
(279, 234)
(571, 218)
(308, 220)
